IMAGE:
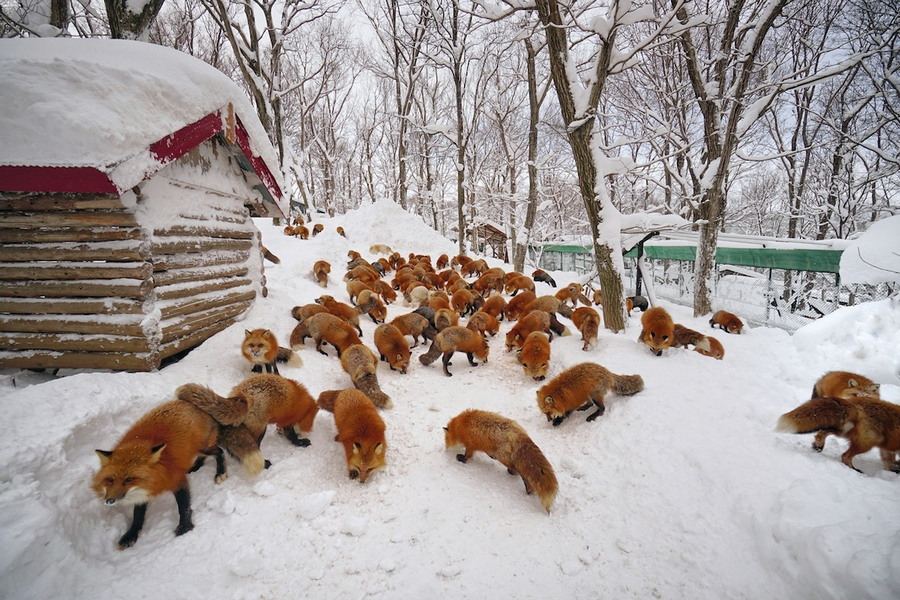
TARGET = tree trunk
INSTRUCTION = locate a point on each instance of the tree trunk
(126, 25)
(521, 247)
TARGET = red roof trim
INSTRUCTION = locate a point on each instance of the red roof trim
(259, 165)
(83, 180)
(78, 180)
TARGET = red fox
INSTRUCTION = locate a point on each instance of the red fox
(354, 288)
(393, 347)
(518, 284)
(442, 261)
(324, 327)
(494, 306)
(505, 441)
(369, 303)
(715, 349)
(463, 302)
(578, 387)
(484, 323)
(727, 321)
(359, 429)
(317, 229)
(865, 421)
(516, 304)
(415, 325)
(537, 320)
(270, 399)
(360, 364)
(456, 339)
(657, 329)
(261, 348)
(155, 456)
(380, 249)
(306, 311)
(587, 321)
(535, 355)
(572, 293)
(543, 276)
(475, 267)
(444, 318)
(344, 311)
(321, 269)
(550, 304)
(842, 384)
(487, 283)
(682, 337)
(341, 232)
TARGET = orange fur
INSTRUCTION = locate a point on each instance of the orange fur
(842, 384)
(727, 321)
(346, 312)
(484, 323)
(414, 325)
(324, 327)
(361, 365)
(518, 284)
(657, 329)
(579, 386)
(516, 305)
(393, 347)
(537, 320)
(360, 430)
(456, 339)
(535, 355)
(587, 321)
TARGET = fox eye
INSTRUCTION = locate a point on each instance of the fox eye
(109, 481)
(128, 480)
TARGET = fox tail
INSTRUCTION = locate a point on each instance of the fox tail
(286, 355)
(227, 411)
(626, 385)
(239, 442)
(828, 414)
(368, 384)
(531, 464)
(432, 355)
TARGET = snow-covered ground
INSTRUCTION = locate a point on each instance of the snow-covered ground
(681, 491)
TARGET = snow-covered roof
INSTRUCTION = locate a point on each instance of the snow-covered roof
(117, 108)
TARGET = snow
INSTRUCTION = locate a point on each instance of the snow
(681, 491)
(104, 102)
(874, 257)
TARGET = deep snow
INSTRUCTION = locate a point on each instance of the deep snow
(681, 491)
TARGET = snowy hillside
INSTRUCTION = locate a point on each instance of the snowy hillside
(681, 491)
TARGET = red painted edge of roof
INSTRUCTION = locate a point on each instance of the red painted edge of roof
(92, 180)
(259, 165)
(55, 180)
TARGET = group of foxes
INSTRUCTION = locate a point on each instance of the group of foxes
(174, 439)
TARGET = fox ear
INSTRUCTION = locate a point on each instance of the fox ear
(379, 448)
(852, 383)
(104, 456)
(247, 333)
(356, 447)
(876, 388)
(548, 400)
(445, 429)
(156, 453)
(399, 357)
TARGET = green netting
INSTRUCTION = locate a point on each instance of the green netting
(822, 261)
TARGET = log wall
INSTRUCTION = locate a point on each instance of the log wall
(102, 282)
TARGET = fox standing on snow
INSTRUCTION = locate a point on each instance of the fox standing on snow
(657, 329)
(578, 387)
(261, 348)
(841, 384)
(360, 430)
(503, 440)
(155, 456)
(456, 339)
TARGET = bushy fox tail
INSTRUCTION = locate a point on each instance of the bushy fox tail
(626, 385)
(432, 355)
(227, 411)
(531, 464)
(368, 384)
(239, 442)
(829, 414)
(286, 355)
(564, 310)
(366, 306)
(326, 400)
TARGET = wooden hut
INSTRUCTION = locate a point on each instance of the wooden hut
(129, 175)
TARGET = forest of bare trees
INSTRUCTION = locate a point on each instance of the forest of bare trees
(550, 119)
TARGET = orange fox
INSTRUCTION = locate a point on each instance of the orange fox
(155, 456)
(715, 349)
(306, 311)
(865, 421)
(484, 323)
(541, 275)
(494, 306)
(463, 302)
(682, 337)
(317, 229)
(550, 304)
(572, 293)
(415, 325)
(321, 269)
(444, 318)
(587, 321)
(657, 329)
(270, 399)
(393, 347)
(360, 364)
(354, 288)
(727, 321)
(503, 440)
(456, 339)
(261, 348)
(359, 429)
(518, 284)
(475, 267)
(369, 303)
(536, 320)
(842, 384)
(535, 355)
(386, 292)
(344, 311)
(324, 327)
(578, 387)
(341, 232)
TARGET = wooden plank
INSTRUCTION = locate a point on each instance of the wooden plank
(74, 289)
(197, 304)
(128, 251)
(194, 245)
(70, 342)
(71, 271)
(120, 361)
(183, 291)
(200, 230)
(201, 274)
(52, 324)
(61, 202)
(86, 218)
(233, 217)
(42, 306)
(94, 234)
(186, 325)
(195, 338)
(184, 261)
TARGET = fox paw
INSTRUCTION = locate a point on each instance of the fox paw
(182, 529)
